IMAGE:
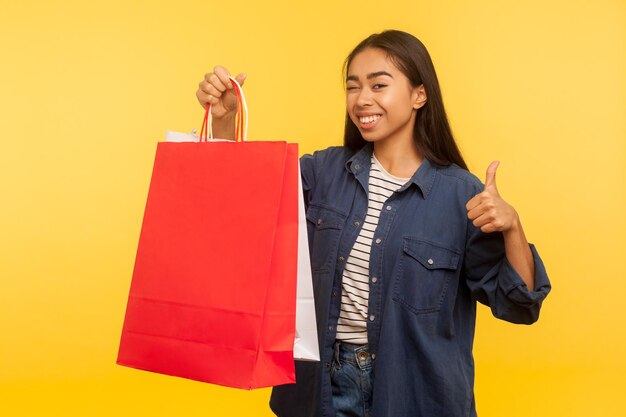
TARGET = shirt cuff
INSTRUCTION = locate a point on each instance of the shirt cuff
(516, 289)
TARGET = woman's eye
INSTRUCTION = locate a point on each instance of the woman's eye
(351, 88)
(380, 85)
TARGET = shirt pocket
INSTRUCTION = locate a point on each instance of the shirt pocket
(423, 274)
(326, 225)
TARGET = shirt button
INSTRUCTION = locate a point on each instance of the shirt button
(372, 317)
(388, 208)
(327, 364)
(379, 240)
(356, 223)
(373, 356)
(357, 166)
(319, 221)
(430, 261)
(341, 258)
(334, 293)
(374, 279)
(330, 328)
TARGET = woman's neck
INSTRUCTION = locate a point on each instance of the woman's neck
(399, 159)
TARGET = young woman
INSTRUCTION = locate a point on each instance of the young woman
(404, 240)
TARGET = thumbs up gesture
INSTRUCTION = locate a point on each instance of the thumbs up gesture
(488, 210)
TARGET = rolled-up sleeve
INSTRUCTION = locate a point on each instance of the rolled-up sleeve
(494, 282)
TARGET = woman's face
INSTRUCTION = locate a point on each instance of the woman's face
(380, 99)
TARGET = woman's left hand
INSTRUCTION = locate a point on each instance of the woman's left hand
(488, 210)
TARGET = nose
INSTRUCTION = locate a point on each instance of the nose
(364, 98)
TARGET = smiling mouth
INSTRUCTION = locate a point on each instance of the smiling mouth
(369, 119)
(369, 122)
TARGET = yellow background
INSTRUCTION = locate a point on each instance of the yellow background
(88, 88)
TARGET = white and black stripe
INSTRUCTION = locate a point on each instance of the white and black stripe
(352, 324)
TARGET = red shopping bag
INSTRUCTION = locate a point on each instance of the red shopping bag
(213, 293)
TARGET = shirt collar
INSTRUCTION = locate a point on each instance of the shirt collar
(423, 178)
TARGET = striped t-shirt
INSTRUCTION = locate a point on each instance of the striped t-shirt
(352, 324)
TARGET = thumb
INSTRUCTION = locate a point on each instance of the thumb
(241, 78)
(491, 175)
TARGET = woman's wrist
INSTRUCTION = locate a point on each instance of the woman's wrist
(516, 226)
(224, 127)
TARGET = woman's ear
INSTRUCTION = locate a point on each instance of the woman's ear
(419, 97)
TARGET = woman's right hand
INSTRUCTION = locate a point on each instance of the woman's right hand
(217, 89)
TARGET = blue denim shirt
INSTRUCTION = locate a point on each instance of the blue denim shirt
(428, 266)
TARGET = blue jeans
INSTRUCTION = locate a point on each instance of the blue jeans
(352, 378)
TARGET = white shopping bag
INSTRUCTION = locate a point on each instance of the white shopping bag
(305, 346)
(188, 137)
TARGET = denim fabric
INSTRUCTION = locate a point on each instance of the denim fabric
(429, 266)
(352, 379)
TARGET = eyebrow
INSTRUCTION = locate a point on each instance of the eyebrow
(369, 76)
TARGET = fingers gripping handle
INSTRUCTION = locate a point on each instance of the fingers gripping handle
(241, 130)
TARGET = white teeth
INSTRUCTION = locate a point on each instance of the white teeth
(369, 119)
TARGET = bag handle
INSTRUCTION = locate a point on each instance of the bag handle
(241, 127)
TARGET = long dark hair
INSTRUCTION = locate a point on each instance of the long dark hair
(432, 133)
